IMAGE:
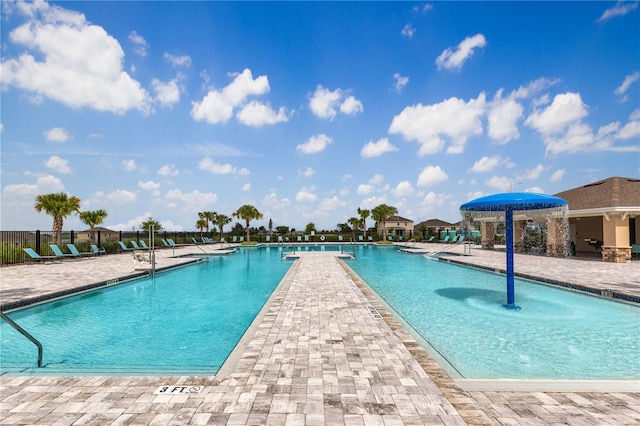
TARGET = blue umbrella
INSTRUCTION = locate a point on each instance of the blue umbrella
(508, 203)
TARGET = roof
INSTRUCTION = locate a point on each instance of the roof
(434, 223)
(99, 228)
(397, 219)
(611, 192)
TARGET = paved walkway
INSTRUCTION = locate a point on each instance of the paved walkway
(325, 351)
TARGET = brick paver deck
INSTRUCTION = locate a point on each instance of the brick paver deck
(319, 354)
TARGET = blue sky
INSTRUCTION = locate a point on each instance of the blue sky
(311, 110)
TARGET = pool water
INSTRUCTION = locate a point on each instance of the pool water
(557, 334)
(184, 321)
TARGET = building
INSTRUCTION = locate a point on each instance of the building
(397, 226)
(603, 217)
(432, 227)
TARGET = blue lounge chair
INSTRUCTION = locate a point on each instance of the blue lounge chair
(36, 257)
(280, 238)
(74, 250)
(340, 238)
(299, 239)
(172, 243)
(137, 247)
(306, 238)
(431, 239)
(124, 247)
(267, 239)
(446, 239)
(56, 250)
(360, 238)
(144, 245)
(97, 250)
(241, 239)
(235, 239)
(369, 238)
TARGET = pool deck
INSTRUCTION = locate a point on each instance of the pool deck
(324, 350)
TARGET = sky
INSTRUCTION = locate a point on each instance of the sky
(310, 110)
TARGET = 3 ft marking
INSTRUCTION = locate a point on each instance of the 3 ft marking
(177, 390)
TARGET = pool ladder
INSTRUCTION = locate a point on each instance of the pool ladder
(351, 251)
(287, 251)
(26, 334)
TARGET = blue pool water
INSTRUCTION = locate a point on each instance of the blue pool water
(558, 334)
(184, 321)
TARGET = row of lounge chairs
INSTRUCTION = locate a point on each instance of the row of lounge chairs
(59, 255)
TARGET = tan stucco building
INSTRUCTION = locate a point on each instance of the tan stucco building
(603, 217)
(397, 226)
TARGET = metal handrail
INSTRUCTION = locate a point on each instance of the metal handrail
(285, 253)
(26, 334)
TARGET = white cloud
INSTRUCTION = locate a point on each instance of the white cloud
(217, 106)
(503, 119)
(557, 175)
(324, 103)
(193, 201)
(167, 93)
(532, 173)
(329, 204)
(57, 134)
(140, 44)
(499, 182)
(1, 127)
(453, 117)
(207, 164)
(76, 63)
(258, 114)
(129, 165)
(58, 164)
(121, 196)
(351, 106)
(246, 187)
(168, 170)
(306, 194)
(454, 59)
(148, 185)
(376, 149)
(629, 131)
(431, 176)
(408, 31)
(316, 143)
(401, 81)
(565, 109)
(486, 164)
(377, 179)
(364, 189)
(620, 9)
(178, 61)
(308, 172)
(535, 189)
(403, 189)
(628, 81)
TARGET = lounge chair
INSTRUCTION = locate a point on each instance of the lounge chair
(241, 239)
(390, 237)
(196, 242)
(97, 250)
(267, 239)
(299, 239)
(369, 238)
(460, 238)
(124, 247)
(431, 239)
(74, 250)
(172, 243)
(306, 238)
(56, 250)
(235, 239)
(446, 239)
(144, 245)
(280, 238)
(137, 247)
(36, 257)
(360, 238)
(340, 238)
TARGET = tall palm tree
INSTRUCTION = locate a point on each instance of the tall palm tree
(364, 214)
(92, 218)
(59, 206)
(208, 217)
(248, 213)
(202, 224)
(221, 220)
(355, 224)
(380, 213)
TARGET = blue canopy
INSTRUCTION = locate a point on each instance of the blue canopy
(513, 200)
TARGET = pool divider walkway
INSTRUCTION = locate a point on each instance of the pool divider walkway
(325, 351)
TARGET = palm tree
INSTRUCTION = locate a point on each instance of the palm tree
(355, 224)
(202, 224)
(147, 224)
(58, 205)
(221, 220)
(248, 213)
(92, 218)
(364, 214)
(380, 213)
(208, 217)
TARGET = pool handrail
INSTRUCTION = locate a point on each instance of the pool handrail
(26, 334)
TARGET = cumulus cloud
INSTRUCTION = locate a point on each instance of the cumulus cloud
(218, 105)
(408, 31)
(501, 183)
(121, 196)
(431, 176)
(167, 93)
(207, 164)
(628, 81)
(246, 187)
(139, 43)
(178, 61)
(325, 103)
(453, 118)
(329, 204)
(169, 170)
(376, 149)
(315, 144)
(306, 195)
(57, 134)
(58, 164)
(503, 119)
(129, 165)
(72, 61)
(486, 164)
(308, 172)
(565, 109)
(557, 175)
(620, 9)
(403, 189)
(191, 201)
(401, 81)
(257, 114)
(532, 173)
(148, 185)
(365, 188)
(454, 59)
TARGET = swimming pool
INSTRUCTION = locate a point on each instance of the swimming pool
(558, 334)
(184, 321)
